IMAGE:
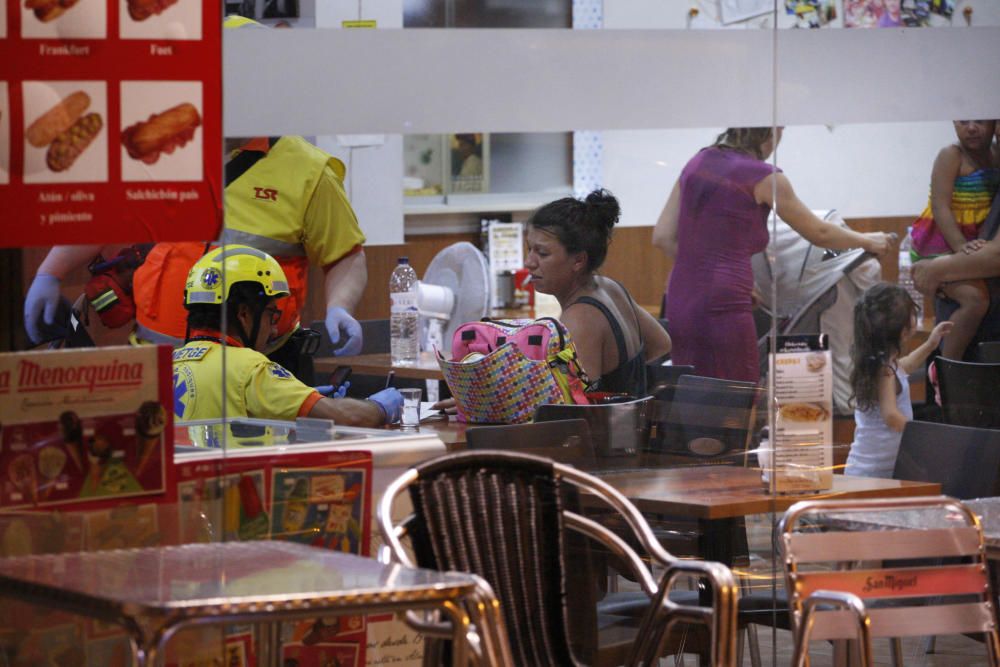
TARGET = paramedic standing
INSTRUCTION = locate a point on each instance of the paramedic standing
(250, 297)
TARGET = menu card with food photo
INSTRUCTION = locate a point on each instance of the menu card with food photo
(803, 393)
(111, 122)
(84, 426)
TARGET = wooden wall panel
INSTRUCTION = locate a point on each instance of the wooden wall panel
(632, 260)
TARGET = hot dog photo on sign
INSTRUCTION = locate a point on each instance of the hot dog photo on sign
(65, 134)
(159, 19)
(161, 135)
(64, 19)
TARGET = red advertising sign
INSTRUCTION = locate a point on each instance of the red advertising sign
(110, 121)
(84, 426)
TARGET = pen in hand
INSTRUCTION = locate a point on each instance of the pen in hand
(390, 376)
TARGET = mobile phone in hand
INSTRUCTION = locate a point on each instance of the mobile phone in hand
(340, 376)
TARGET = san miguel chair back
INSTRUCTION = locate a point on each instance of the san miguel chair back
(505, 517)
(564, 441)
(947, 591)
(969, 395)
(965, 461)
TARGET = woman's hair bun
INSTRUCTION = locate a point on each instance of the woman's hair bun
(605, 206)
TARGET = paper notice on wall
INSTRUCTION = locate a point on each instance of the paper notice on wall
(803, 393)
(506, 252)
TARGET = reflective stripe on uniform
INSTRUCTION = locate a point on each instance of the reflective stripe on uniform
(104, 301)
(146, 335)
(201, 297)
(228, 251)
(273, 247)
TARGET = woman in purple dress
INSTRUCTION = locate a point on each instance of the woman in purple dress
(714, 220)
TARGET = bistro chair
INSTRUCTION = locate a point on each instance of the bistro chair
(965, 461)
(565, 441)
(969, 395)
(988, 352)
(619, 431)
(661, 381)
(507, 517)
(707, 420)
(946, 591)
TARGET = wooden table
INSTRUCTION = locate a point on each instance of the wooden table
(726, 492)
(719, 497)
(380, 364)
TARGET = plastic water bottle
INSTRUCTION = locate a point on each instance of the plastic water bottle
(905, 279)
(403, 314)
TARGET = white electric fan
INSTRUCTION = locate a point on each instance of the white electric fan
(455, 290)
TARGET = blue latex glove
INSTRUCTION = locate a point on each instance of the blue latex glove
(391, 402)
(42, 305)
(330, 391)
(340, 323)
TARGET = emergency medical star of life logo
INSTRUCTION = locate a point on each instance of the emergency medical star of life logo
(279, 371)
(184, 390)
(210, 278)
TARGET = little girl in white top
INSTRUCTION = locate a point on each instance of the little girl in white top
(884, 316)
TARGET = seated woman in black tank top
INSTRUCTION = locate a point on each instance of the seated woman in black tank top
(567, 242)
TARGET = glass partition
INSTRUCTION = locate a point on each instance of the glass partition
(798, 167)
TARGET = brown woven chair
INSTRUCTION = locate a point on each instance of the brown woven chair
(504, 517)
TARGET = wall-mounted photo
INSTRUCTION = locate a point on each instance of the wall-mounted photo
(469, 162)
(423, 165)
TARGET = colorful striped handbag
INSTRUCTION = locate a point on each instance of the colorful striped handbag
(502, 370)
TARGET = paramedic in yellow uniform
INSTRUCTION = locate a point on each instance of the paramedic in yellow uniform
(248, 283)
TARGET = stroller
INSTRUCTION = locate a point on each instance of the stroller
(816, 291)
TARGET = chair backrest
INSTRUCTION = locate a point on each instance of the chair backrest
(565, 441)
(661, 380)
(708, 418)
(969, 395)
(988, 352)
(619, 431)
(965, 461)
(946, 590)
(504, 515)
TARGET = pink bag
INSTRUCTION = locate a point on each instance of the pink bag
(501, 371)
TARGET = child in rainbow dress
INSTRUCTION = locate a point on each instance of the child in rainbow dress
(964, 181)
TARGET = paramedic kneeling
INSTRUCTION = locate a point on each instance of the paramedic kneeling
(245, 284)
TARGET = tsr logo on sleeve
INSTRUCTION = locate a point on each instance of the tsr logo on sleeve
(266, 194)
